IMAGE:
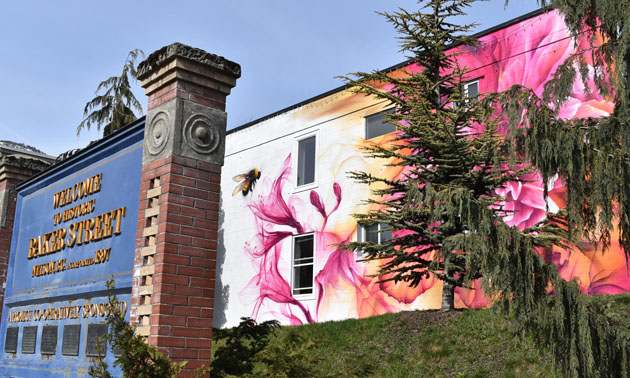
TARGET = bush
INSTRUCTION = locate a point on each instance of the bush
(242, 343)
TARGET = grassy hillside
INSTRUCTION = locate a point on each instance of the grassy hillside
(470, 343)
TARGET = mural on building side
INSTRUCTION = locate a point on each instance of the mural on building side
(525, 53)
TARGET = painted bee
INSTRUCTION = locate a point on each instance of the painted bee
(247, 181)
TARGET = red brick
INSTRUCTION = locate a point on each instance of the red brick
(202, 282)
(212, 215)
(206, 205)
(147, 175)
(167, 248)
(205, 224)
(209, 186)
(161, 92)
(215, 178)
(199, 322)
(161, 330)
(210, 273)
(201, 302)
(170, 208)
(187, 311)
(198, 343)
(163, 170)
(203, 101)
(177, 199)
(168, 227)
(172, 259)
(177, 239)
(165, 268)
(163, 289)
(206, 332)
(179, 219)
(191, 251)
(171, 279)
(182, 180)
(209, 244)
(145, 185)
(168, 341)
(168, 320)
(154, 164)
(193, 231)
(196, 193)
(220, 106)
(203, 262)
(189, 291)
(168, 96)
(191, 211)
(186, 354)
(204, 354)
(173, 188)
(172, 299)
(189, 271)
(207, 313)
(214, 197)
(196, 173)
(162, 309)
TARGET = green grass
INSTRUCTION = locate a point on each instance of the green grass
(470, 343)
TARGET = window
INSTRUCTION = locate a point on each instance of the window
(306, 161)
(375, 125)
(471, 90)
(303, 264)
(373, 233)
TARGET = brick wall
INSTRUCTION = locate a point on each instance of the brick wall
(188, 91)
(177, 241)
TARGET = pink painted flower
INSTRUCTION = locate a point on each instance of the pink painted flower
(273, 207)
(525, 202)
(317, 202)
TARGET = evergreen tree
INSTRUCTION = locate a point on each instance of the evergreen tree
(444, 210)
(114, 108)
(592, 156)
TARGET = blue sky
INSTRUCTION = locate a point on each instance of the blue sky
(54, 54)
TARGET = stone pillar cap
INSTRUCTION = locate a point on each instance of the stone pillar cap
(179, 62)
(166, 54)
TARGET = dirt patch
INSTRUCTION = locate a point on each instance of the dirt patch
(415, 320)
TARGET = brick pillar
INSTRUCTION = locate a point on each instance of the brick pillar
(14, 168)
(184, 144)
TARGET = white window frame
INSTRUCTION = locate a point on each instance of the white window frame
(468, 84)
(296, 153)
(365, 123)
(362, 234)
(465, 96)
(310, 295)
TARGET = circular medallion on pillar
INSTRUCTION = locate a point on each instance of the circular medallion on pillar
(200, 135)
(158, 133)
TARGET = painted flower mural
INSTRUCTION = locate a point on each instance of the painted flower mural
(526, 53)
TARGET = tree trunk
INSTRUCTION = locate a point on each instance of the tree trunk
(448, 297)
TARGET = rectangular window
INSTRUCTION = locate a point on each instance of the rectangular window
(375, 125)
(471, 90)
(306, 161)
(375, 233)
(303, 264)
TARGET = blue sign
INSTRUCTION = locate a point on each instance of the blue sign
(75, 228)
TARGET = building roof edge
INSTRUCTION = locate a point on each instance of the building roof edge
(480, 34)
